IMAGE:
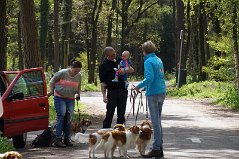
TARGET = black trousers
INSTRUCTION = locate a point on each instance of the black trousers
(116, 98)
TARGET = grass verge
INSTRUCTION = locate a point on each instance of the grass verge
(223, 93)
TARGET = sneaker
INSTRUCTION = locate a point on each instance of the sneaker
(68, 143)
(59, 143)
(154, 153)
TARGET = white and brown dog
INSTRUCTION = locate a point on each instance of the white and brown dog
(95, 138)
(11, 155)
(144, 137)
(118, 138)
(80, 126)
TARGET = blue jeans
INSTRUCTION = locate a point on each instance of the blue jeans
(155, 104)
(62, 105)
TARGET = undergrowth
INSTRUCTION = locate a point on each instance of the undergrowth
(223, 93)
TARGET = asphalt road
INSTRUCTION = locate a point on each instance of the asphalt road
(192, 130)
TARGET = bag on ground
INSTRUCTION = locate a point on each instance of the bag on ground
(45, 139)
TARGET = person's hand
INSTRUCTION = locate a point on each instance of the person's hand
(77, 97)
(49, 94)
(105, 99)
(122, 71)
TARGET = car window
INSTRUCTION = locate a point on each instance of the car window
(30, 84)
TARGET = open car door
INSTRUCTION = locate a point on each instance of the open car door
(25, 102)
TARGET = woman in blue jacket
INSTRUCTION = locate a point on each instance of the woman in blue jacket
(154, 85)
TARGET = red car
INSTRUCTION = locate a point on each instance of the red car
(24, 102)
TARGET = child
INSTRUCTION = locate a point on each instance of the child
(124, 63)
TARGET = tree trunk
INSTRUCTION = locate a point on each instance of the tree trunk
(56, 36)
(123, 24)
(110, 24)
(193, 57)
(3, 36)
(20, 54)
(44, 12)
(66, 30)
(202, 75)
(180, 26)
(87, 41)
(95, 17)
(29, 33)
(188, 30)
(175, 34)
(235, 44)
(50, 47)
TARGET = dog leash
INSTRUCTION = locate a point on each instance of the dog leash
(140, 105)
(133, 95)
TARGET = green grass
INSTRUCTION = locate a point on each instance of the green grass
(223, 93)
(5, 145)
(78, 105)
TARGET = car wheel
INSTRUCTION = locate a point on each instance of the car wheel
(20, 140)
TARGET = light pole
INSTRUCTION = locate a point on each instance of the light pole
(180, 55)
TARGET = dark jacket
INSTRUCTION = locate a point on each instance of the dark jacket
(107, 74)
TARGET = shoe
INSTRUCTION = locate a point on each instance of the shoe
(68, 143)
(59, 143)
(115, 80)
(154, 153)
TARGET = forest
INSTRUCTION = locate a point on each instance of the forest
(49, 33)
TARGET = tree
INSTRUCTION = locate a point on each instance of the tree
(180, 20)
(20, 53)
(56, 36)
(3, 36)
(94, 19)
(110, 23)
(130, 17)
(29, 34)
(235, 43)
(44, 12)
(66, 31)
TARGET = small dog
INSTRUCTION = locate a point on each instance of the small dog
(144, 136)
(11, 155)
(80, 126)
(95, 138)
(123, 139)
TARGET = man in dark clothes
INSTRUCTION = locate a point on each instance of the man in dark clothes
(116, 92)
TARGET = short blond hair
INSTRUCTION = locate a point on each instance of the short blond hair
(126, 53)
(148, 47)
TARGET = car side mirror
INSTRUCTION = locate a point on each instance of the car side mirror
(15, 96)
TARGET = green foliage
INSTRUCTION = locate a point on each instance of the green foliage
(5, 145)
(218, 67)
(224, 93)
(79, 105)
(230, 97)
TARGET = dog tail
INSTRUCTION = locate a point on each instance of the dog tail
(82, 138)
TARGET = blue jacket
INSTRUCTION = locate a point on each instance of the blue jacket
(153, 82)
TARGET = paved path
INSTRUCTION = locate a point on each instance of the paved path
(192, 130)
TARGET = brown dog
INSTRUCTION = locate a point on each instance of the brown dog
(81, 126)
(11, 155)
(144, 136)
